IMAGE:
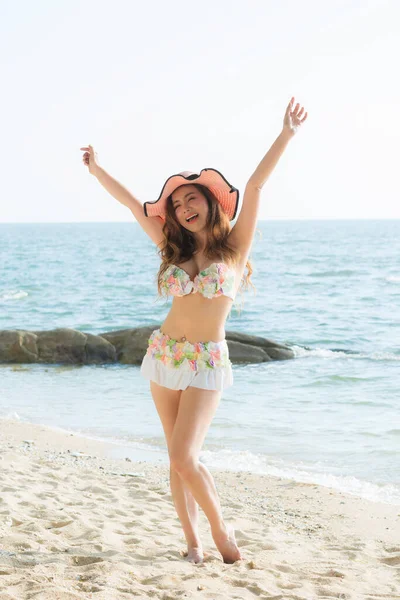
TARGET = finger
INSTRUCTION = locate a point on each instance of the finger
(304, 118)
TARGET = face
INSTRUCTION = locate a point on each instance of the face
(187, 200)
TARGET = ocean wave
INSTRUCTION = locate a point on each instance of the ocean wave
(302, 352)
(393, 432)
(232, 460)
(13, 295)
(339, 273)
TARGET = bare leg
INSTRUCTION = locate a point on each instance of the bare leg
(167, 404)
(196, 410)
(182, 495)
(186, 508)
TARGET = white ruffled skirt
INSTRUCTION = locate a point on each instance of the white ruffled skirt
(178, 365)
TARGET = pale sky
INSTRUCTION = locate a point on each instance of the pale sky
(162, 87)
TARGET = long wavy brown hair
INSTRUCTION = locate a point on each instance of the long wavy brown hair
(179, 244)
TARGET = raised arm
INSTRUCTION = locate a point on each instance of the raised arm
(151, 225)
(241, 235)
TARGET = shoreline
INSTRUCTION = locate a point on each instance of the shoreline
(72, 524)
(119, 449)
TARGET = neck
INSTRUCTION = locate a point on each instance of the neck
(201, 240)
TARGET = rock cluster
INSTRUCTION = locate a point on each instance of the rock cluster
(127, 346)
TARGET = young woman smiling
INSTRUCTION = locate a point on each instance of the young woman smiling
(187, 360)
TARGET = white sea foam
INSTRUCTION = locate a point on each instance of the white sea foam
(13, 295)
(300, 352)
(316, 473)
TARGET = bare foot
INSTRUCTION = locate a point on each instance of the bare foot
(194, 554)
(226, 544)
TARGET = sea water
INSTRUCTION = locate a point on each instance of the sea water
(328, 289)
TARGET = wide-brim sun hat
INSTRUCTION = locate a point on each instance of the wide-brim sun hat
(226, 194)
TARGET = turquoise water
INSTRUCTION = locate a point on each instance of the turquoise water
(329, 289)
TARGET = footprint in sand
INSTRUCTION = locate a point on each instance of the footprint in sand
(392, 561)
(85, 560)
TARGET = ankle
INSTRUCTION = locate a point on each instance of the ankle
(193, 542)
(219, 531)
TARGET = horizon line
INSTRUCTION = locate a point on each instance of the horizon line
(263, 220)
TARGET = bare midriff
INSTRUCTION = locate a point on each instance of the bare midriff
(194, 318)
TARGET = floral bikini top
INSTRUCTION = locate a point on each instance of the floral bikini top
(216, 280)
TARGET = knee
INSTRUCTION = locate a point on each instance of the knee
(183, 464)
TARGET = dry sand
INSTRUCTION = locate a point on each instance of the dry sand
(88, 526)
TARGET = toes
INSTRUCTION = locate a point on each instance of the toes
(195, 555)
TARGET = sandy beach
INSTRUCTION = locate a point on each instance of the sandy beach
(75, 523)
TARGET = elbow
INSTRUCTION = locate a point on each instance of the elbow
(254, 184)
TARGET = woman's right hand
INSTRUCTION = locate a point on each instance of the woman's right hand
(90, 159)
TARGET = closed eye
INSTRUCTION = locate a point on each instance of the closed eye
(176, 205)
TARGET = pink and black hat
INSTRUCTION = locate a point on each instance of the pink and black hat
(225, 193)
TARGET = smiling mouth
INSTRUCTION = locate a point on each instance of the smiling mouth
(192, 218)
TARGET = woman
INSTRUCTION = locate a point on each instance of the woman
(187, 359)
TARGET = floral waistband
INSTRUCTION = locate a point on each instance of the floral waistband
(200, 355)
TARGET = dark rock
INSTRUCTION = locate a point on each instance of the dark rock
(274, 350)
(61, 345)
(99, 350)
(17, 346)
(239, 353)
(130, 344)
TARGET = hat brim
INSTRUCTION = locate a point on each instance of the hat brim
(226, 194)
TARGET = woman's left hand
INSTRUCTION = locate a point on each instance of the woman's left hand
(292, 120)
